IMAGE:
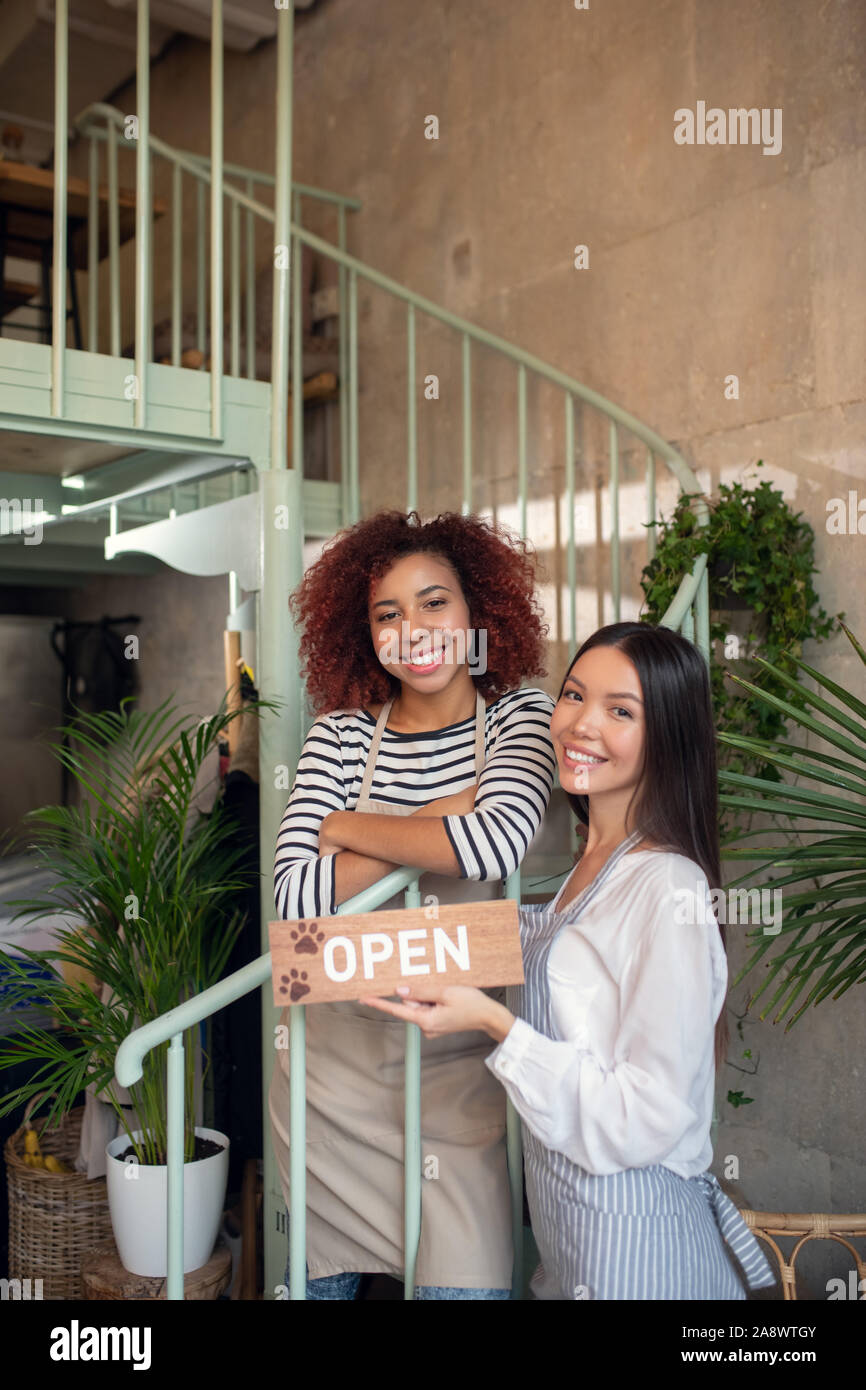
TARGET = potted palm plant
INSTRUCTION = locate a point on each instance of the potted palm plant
(146, 882)
(820, 865)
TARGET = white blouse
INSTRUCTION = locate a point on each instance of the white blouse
(636, 986)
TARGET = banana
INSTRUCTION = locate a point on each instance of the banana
(56, 1165)
(31, 1142)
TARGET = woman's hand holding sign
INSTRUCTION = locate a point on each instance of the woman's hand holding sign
(447, 1009)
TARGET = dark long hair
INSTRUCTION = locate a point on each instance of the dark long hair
(675, 804)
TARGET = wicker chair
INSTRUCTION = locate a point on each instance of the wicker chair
(808, 1226)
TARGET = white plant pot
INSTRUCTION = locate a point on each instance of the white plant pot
(138, 1202)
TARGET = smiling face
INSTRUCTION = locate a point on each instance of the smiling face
(416, 610)
(597, 726)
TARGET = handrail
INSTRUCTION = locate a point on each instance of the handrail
(170, 1027)
(85, 124)
(128, 1066)
(517, 354)
(80, 126)
(199, 167)
(688, 589)
(191, 164)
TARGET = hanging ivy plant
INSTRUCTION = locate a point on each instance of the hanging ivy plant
(761, 561)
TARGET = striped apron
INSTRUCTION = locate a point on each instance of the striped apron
(643, 1233)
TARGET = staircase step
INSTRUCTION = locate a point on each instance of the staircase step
(319, 355)
(18, 292)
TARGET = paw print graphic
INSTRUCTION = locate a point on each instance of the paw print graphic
(293, 985)
(307, 939)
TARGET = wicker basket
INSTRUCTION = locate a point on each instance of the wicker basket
(54, 1218)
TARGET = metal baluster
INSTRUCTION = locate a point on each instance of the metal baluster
(412, 413)
(514, 1147)
(251, 286)
(354, 486)
(702, 615)
(689, 623)
(174, 1159)
(61, 169)
(521, 444)
(614, 520)
(297, 347)
(467, 425)
(113, 240)
(216, 219)
(201, 269)
(143, 342)
(411, 1138)
(571, 556)
(345, 495)
(651, 502)
(235, 287)
(176, 262)
(281, 567)
(298, 1153)
(282, 247)
(93, 248)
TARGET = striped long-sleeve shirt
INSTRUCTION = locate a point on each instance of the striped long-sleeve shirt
(412, 770)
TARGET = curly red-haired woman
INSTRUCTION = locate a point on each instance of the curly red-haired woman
(415, 638)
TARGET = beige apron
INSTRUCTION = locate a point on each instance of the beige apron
(355, 1101)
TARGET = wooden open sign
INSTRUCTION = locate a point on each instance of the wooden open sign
(315, 961)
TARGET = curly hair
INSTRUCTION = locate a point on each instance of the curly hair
(496, 569)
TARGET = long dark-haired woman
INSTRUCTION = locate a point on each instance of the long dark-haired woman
(416, 637)
(612, 1057)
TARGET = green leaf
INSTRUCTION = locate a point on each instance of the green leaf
(124, 840)
(738, 1098)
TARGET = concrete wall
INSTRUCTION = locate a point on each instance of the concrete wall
(30, 697)
(180, 633)
(180, 654)
(556, 129)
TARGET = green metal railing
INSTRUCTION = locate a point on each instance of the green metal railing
(100, 124)
(688, 612)
(170, 1027)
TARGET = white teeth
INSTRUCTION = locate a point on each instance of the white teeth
(582, 758)
(425, 660)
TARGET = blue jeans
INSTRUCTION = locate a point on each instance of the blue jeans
(345, 1286)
